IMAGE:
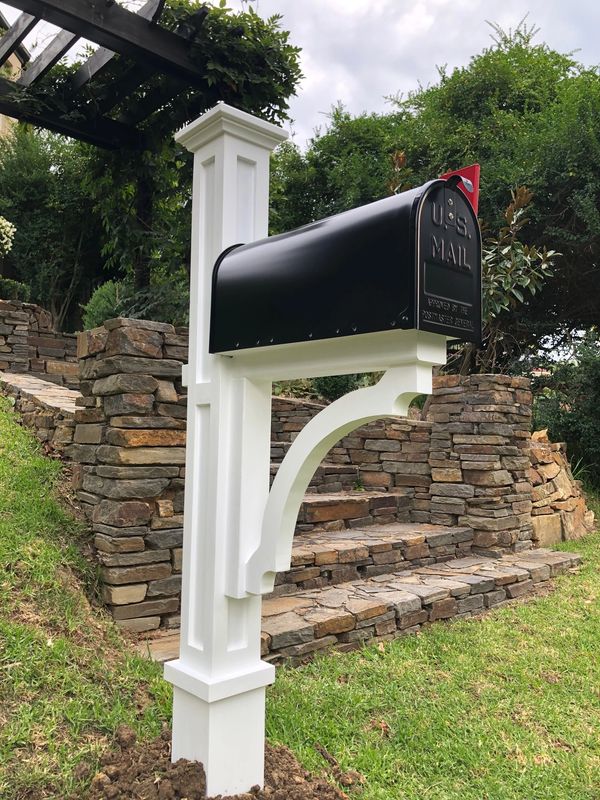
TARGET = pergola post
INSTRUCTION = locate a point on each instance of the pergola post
(219, 680)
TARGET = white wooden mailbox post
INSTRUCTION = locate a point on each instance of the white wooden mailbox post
(237, 534)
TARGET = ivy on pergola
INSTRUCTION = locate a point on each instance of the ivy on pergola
(140, 67)
(153, 71)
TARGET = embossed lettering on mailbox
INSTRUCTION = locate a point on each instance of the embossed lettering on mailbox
(449, 256)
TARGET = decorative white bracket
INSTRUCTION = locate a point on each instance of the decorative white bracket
(391, 396)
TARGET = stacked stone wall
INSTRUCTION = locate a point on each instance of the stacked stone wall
(14, 350)
(559, 511)
(129, 447)
(29, 343)
(480, 459)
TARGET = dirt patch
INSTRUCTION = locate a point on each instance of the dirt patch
(145, 772)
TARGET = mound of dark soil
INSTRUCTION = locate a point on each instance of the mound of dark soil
(145, 772)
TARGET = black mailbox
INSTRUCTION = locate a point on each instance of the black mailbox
(410, 261)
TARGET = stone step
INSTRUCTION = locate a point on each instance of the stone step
(325, 558)
(330, 478)
(388, 606)
(353, 509)
(400, 602)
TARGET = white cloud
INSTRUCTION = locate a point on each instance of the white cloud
(359, 51)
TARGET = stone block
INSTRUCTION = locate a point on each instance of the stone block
(480, 477)
(88, 434)
(120, 404)
(519, 589)
(166, 586)
(139, 624)
(447, 475)
(547, 529)
(144, 572)
(147, 608)
(124, 544)
(123, 595)
(169, 538)
(287, 629)
(134, 342)
(125, 384)
(141, 455)
(158, 437)
(124, 514)
(131, 559)
(166, 392)
(443, 609)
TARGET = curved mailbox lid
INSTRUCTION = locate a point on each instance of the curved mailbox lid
(353, 273)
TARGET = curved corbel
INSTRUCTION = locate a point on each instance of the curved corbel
(389, 397)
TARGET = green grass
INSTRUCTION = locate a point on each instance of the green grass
(502, 708)
(67, 679)
(506, 707)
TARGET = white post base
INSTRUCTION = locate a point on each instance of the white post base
(228, 735)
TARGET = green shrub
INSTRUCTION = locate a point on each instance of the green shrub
(14, 290)
(105, 303)
(337, 385)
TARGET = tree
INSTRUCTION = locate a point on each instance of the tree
(142, 196)
(56, 248)
(528, 115)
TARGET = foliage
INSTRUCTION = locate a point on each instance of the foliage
(105, 303)
(14, 290)
(57, 242)
(7, 234)
(567, 404)
(511, 272)
(335, 386)
(528, 115)
(355, 161)
(143, 196)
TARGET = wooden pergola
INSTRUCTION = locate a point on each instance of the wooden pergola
(91, 104)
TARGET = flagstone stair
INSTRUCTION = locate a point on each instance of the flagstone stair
(400, 602)
(346, 588)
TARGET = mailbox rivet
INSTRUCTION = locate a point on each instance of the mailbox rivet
(354, 329)
(237, 344)
(450, 201)
(258, 341)
(393, 323)
(310, 335)
(337, 330)
(450, 215)
(271, 340)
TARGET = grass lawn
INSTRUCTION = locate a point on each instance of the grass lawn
(500, 708)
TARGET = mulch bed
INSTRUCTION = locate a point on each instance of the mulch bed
(144, 772)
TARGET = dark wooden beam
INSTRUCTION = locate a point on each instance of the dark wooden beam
(98, 60)
(15, 35)
(110, 25)
(49, 56)
(101, 131)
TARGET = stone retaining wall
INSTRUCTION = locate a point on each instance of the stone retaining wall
(29, 343)
(469, 464)
(479, 459)
(559, 511)
(129, 448)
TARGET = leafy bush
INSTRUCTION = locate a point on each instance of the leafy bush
(337, 385)
(567, 404)
(14, 290)
(105, 303)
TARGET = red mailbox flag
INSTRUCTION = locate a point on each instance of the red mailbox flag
(470, 188)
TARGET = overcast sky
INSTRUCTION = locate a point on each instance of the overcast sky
(360, 51)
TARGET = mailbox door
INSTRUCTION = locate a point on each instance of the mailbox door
(448, 264)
